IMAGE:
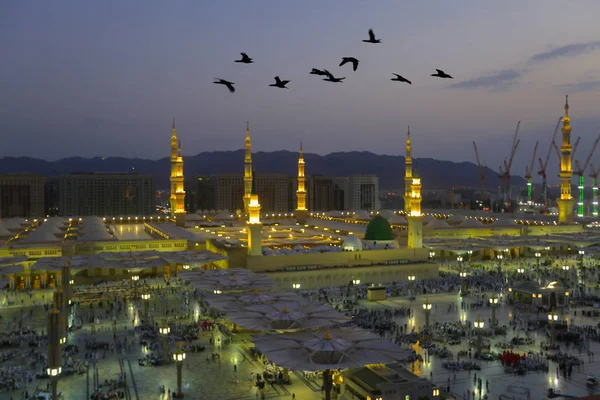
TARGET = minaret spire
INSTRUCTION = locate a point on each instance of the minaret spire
(301, 209)
(177, 198)
(408, 173)
(247, 169)
(254, 226)
(566, 200)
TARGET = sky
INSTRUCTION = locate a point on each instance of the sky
(106, 78)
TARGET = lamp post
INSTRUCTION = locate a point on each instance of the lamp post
(537, 256)
(427, 309)
(566, 269)
(135, 279)
(431, 254)
(59, 304)
(355, 283)
(581, 253)
(463, 289)
(178, 357)
(411, 284)
(146, 297)
(547, 248)
(553, 317)
(470, 253)
(54, 349)
(494, 304)
(500, 257)
(479, 324)
(164, 331)
(459, 259)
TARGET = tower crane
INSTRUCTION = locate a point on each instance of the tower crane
(581, 173)
(481, 174)
(528, 170)
(505, 173)
(594, 175)
(544, 165)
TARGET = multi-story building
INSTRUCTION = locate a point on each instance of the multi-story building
(21, 195)
(341, 193)
(228, 193)
(322, 190)
(106, 194)
(364, 192)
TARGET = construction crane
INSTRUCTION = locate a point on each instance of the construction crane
(481, 174)
(544, 165)
(581, 173)
(505, 173)
(528, 172)
(594, 175)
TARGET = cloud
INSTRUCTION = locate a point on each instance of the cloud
(497, 81)
(583, 86)
(574, 49)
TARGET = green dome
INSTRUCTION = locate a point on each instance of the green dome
(379, 229)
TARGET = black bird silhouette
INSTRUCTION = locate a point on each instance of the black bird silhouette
(352, 60)
(317, 72)
(400, 78)
(245, 59)
(331, 78)
(229, 85)
(372, 38)
(441, 74)
(279, 83)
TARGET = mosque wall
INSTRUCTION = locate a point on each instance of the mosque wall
(336, 259)
(343, 276)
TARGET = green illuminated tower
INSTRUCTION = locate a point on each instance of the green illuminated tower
(594, 196)
(581, 191)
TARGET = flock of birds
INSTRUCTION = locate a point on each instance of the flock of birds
(329, 77)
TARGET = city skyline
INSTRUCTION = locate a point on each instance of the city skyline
(112, 88)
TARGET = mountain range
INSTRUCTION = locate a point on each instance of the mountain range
(389, 169)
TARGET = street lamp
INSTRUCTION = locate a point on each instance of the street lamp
(537, 256)
(500, 257)
(460, 260)
(135, 279)
(431, 254)
(463, 289)
(494, 304)
(470, 253)
(427, 309)
(178, 357)
(54, 367)
(355, 283)
(146, 297)
(164, 331)
(296, 286)
(411, 284)
(479, 324)
(521, 270)
(217, 291)
(553, 317)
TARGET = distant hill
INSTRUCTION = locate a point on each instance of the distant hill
(389, 169)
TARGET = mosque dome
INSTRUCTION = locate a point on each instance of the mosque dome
(379, 229)
(352, 243)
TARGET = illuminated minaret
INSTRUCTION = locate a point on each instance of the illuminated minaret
(415, 217)
(254, 225)
(566, 201)
(408, 174)
(247, 169)
(301, 211)
(177, 198)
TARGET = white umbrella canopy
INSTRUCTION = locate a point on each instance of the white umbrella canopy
(282, 317)
(233, 280)
(326, 349)
(234, 300)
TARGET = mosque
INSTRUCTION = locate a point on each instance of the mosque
(304, 249)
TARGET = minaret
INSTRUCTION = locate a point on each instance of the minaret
(301, 210)
(413, 200)
(408, 173)
(177, 198)
(254, 225)
(566, 201)
(247, 169)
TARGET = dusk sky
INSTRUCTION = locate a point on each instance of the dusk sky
(105, 78)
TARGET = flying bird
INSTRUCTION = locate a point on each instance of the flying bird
(400, 78)
(352, 60)
(372, 38)
(279, 83)
(441, 74)
(317, 72)
(226, 83)
(245, 59)
(331, 78)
